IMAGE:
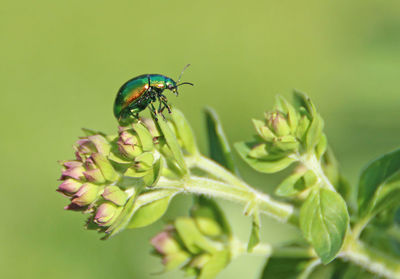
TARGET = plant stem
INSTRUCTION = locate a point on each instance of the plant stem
(311, 162)
(228, 186)
(372, 260)
(205, 186)
(359, 226)
(215, 170)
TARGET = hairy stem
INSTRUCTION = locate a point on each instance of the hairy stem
(229, 187)
(205, 186)
(370, 259)
(311, 162)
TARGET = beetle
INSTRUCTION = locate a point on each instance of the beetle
(142, 91)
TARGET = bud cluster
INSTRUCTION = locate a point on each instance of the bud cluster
(286, 130)
(197, 244)
(95, 181)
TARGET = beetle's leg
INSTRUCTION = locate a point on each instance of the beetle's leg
(163, 99)
(153, 110)
(159, 107)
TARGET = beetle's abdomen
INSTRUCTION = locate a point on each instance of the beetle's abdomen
(129, 93)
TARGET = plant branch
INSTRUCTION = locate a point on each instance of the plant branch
(205, 186)
(230, 187)
(370, 259)
(311, 162)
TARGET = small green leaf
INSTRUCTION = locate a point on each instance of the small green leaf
(375, 178)
(324, 220)
(153, 175)
(145, 137)
(321, 147)
(289, 110)
(134, 203)
(263, 131)
(285, 268)
(149, 213)
(302, 128)
(387, 197)
(302, 100)
(192, 237)
(209, 217)
(296, 183)
(105, 167)
(184, 131)
(172, 143)
(90, 132)
(314, 132)
(255, 231)
(262, 165)
(215, 264)
(220, 150)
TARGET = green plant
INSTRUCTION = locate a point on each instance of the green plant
(127, 180)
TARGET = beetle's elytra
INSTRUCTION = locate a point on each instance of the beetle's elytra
(142, 91)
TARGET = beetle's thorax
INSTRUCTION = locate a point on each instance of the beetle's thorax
(161, 82)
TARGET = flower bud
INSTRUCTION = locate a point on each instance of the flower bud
(73, 170)
(69, 187)
(94, 176)
(115, 194)
(86, 195)
(144, 161)
(164, 243)
(128, 143)
(106, 214)
(168, 247)
(277, 122)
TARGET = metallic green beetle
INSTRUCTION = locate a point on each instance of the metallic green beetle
(139, 92)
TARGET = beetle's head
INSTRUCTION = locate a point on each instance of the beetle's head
(171, 85)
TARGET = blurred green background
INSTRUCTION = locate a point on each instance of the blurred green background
(61, 63)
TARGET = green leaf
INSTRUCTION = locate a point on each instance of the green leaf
(90, 132)
(290, 111)
(388, 197)
(384, 242)
(134, 203)
(105, 167)
(149, 213)
(173, 144)
(192, 237)
(296, 183)
(302, 100)
(285, 268)
(265, 166)
(184, 131)
(321, 147)
(146, 139)
(154, 174)
(381, 175)
(255, 231)
(324, 220)
(209, 217)
(289, 186)
(314, 132)
(220, 150)
(215, 264)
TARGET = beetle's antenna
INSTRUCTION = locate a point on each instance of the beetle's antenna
(184, 83)
(179, 79)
